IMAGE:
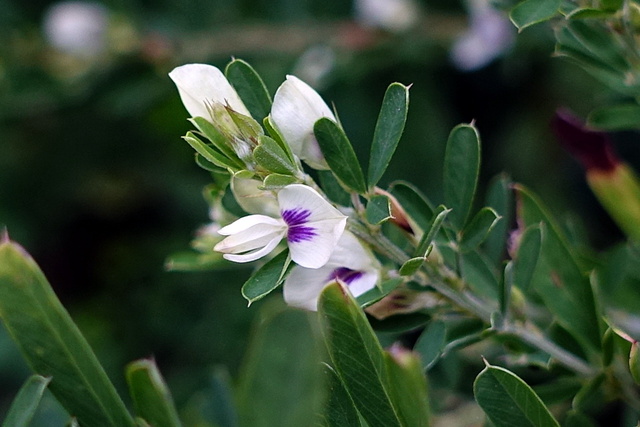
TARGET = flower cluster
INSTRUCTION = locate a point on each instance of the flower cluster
(276, 200)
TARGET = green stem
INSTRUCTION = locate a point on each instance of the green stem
(453, 288)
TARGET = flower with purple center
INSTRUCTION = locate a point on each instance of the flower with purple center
(311, 225)
(351, 264)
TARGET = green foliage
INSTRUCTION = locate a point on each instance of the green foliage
(52, 344)
(509, 401)
(339, 154)
(530, 12)
(151, 397)
(250, 87)
(26, 402)
(378, 210)
(389, 128)
(461, 169)
(267, 278)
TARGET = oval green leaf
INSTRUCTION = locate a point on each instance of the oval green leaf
(389, 128)
(349, 338)
(461, 169)
(26, 402)
(339, 154)
(250, 87)
(508, 401)
(267, 278)
(532, 12)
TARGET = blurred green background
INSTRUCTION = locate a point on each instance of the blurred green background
(97, 185)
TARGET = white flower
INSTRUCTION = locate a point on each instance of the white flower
(311, 225)
(201, 86)
(351, 264)
(490, 35)
(296, 108)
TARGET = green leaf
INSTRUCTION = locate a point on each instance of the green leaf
(559, 279)
(530, 12)
(589, 13)
(376, 294)
(596, 39)
(276, 181)
(26, 402)
(332, 188)
(267, 278)
(500, 198)
(591, 394)
(416, 205)
(477, 230)
(578, 419)
(210, 154)
(389, 128)
(378, 210)
(431, 343)
(461, 169)
(207, 165)
(339, 154)
(480, 274)
(52, 344)
(431, 232)
(408, 386)
(272, 157)
(411, 266)
(527, 256)
(508, 401)
(357, 356)
(281, 379)
(617, 117)
(339, 408)
(277, 137)
(250, 87)
(151, 397)
(206, 128)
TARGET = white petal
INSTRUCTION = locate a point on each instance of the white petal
(316, 251)
(201, 85)
(251, 198)
(249, 221)
(323, 225)
(252, 256)
(352, 254)
(296, 196)
(296, 107)
(303, 286)
(363, 283)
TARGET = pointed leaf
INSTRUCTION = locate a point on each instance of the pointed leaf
(267, 278)
(339, 408)
(276, 181)
(500, 198)
(431, 232)
(272, 157)
(477, 230)
(508, 401)
(431, 343)
(530, 12)
(357, 356)
(376, 294)
(559, 279)
(378, 210)
(210, 154)
(411, 266)
(461, 169)
(52, 344)
(414, 203)
(389, 128)
(206, 128)
(26, 402)
(408, 387)
(617, 117)
(250, 87)
(151, 397)
(333, 189)
(339, 154)
(281, 379)
(527, 257)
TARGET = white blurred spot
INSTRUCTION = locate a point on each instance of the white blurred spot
(76, 27)
(390, 15)
(490, 34)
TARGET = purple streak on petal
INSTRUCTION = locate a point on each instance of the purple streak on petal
(345, 275)
(592, 148)
(296, 220)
